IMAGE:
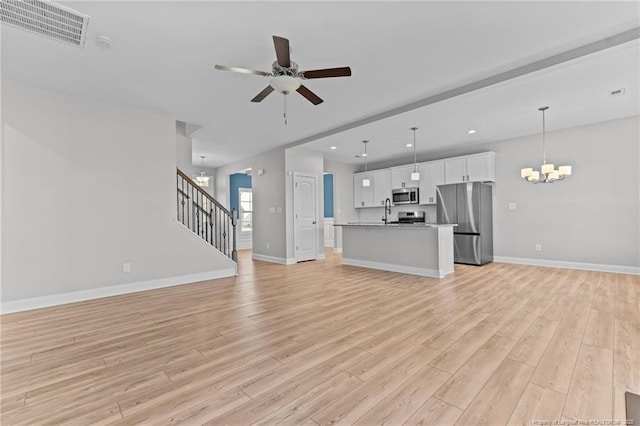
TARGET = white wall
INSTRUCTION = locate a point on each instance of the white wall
(184, 149)
(343, 210)
(269, 231)
(87, 186)
(592, 217)
(309, 162)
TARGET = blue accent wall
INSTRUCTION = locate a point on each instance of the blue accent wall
(237, 180)
(328, 195)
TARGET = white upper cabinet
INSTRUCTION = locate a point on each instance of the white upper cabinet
(401, 177)
(482, 167)
(455, 170)
(431, 175)
(471, 168)
(382, 187)
(363, 195)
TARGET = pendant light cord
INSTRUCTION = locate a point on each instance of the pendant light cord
(415, 160)
(366, 158)
(544, 132)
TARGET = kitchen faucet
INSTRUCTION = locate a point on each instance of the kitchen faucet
(387, 210)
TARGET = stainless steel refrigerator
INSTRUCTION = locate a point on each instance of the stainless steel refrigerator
(470, 206)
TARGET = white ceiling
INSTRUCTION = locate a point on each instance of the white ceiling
(577, 93)
(163, 55)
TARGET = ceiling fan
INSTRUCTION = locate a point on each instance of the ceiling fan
(285, 75)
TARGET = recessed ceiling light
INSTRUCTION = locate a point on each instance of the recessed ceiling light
(333, 147)
(471, 131)
(409, 145)
(365, 154)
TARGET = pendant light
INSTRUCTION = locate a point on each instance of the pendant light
(415, 175)
(202, 180)
(366, 181)
(547, 173)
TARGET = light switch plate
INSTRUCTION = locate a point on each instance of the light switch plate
(272, 209)
(512, 206)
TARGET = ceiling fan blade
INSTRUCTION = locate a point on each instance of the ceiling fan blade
(282, 51)
(328, 72)
(311, 97)
(242, 70)
(260, 96)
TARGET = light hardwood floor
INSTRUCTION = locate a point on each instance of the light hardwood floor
(321, 343)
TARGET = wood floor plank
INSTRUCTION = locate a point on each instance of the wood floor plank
(599, 330)
(556, 365)
(366, 396)
(465, 384)
(497, 399)
(402, 403)
(312, 402)
(537, 403)
(434, 412)
(590, 394)
(323, 343)
(627, 344)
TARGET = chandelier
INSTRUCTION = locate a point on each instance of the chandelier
(547, 173)
(202, 180)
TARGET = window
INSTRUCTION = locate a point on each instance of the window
(245, 195)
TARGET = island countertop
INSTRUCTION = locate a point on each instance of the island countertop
(396, 225)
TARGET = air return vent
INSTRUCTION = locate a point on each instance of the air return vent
(47, 19)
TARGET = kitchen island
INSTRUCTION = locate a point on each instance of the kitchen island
(418, 249)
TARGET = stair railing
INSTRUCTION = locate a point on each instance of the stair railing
(205, 216)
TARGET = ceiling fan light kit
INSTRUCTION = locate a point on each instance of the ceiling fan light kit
(285, 75)
(548, 173)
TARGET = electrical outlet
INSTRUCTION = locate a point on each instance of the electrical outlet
(268, 245)
(538, 247)
(512, 206)
(126, 267)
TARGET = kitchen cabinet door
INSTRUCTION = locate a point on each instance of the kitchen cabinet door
(455, 170)
(431, 175)
(481, 168)
(362, 195)
(382, 187)
(401, 177)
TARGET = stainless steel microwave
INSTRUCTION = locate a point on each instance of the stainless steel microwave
(405, 196)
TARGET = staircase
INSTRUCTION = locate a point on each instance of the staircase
(204, 215)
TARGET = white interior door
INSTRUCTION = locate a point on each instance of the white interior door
(305, 211)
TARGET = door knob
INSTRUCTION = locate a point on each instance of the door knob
(314, 222)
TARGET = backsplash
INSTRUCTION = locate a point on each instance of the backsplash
(375, 214)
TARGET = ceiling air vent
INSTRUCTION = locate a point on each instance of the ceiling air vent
(47, 19)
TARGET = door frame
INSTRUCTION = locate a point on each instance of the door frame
(295, 228)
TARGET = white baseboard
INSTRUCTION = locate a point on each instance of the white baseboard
(321, 256)
(273, 259)
(569, 265)
(116, 290)
(337, 249)
(423, 272)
